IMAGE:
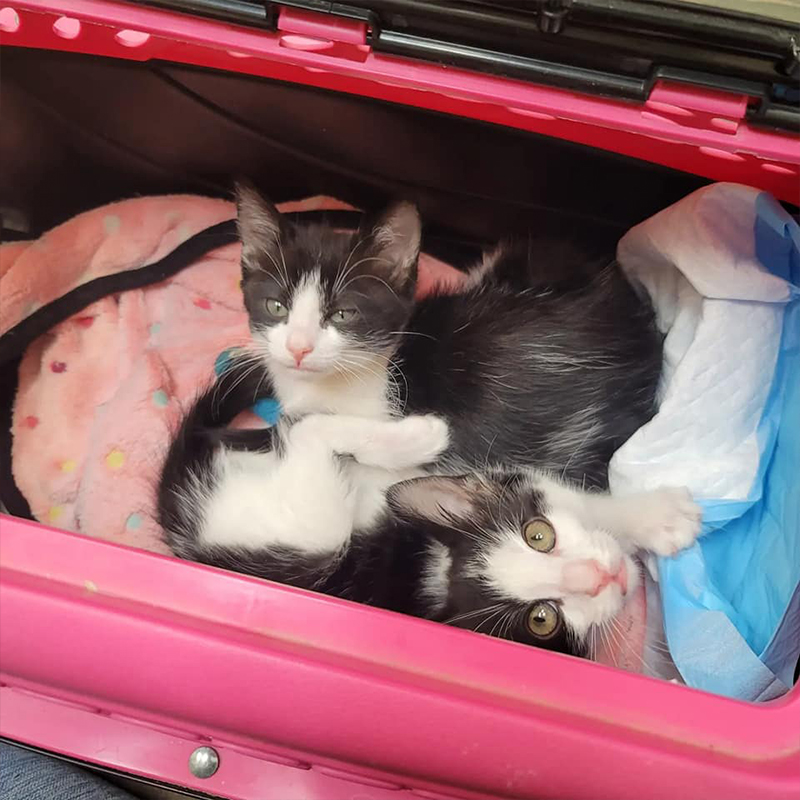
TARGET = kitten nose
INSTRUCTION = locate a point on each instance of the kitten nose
(590, 577)
(299, 344)
(299, 352)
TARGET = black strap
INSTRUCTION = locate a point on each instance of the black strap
(10, 495)
(14, 343)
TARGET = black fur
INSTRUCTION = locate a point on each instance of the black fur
(551, 361)
(380, 568)
(357, 270)
(202, 432)
(499, 498)
(557, 375)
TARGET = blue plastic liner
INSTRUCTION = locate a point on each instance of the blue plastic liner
(732, 602)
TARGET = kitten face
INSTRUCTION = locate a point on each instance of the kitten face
(322, 301)
(520, 566)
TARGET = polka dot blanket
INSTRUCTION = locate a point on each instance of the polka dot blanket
(100, 394)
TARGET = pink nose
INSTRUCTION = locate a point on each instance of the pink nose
(299, 352)
(590, 577)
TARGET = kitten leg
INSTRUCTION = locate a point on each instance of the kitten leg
(305, 498)
(390, 444)
(662, 521)
(385, 451)
(300, 499)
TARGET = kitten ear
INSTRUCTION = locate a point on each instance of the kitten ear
(437, 498)
(395, 236)
(260, 227)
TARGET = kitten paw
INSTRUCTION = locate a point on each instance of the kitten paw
(415, 441)
(669, 521)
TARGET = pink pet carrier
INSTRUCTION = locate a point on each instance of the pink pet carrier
(489, 115)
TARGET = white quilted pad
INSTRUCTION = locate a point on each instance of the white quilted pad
(696, 259)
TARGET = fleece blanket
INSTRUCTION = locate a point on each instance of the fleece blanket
(101, 392)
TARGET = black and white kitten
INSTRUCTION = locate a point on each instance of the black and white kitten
(511, 552)
(541, 358)
(520, 368)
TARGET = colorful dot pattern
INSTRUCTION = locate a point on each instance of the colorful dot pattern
(115, 459)
(69, 466)
(160, 398)
(134, 522)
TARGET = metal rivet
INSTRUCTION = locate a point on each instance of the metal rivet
(203, 762)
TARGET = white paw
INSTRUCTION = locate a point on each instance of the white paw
(668, 521)
(416, 441)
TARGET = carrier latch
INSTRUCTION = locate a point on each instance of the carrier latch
(328, 24)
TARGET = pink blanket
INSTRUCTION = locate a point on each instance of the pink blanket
(100, 393)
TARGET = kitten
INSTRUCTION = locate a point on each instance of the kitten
(521, 367)
(541, 359)
(514, 553)
(520, 554)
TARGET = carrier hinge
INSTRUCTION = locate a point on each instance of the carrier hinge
(337, 22)
(553, 15)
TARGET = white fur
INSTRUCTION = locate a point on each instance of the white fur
(596, 528)
(485, 267)
(260, 500)
(366, 393)
(309, 497)
(435, 579)
(521, 574)
(662, 521)
(334, 377)
(303, 327)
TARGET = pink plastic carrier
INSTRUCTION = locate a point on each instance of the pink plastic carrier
(132, 661)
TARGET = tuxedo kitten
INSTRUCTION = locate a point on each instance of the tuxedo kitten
(520, 554)
(514, 553)
(542, 358)
(537, 361)
(328, 309)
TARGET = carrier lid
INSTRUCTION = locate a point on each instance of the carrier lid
(614, 48)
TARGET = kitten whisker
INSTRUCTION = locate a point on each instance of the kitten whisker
(368, 276)
(470, 614)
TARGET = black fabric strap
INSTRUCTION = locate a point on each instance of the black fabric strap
(10, 495)
(14, 343)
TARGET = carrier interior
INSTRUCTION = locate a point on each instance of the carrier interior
(80, 131)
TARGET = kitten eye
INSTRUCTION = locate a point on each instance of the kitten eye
(540, 535)
(543, 620)
(343, 315)
(276, 308)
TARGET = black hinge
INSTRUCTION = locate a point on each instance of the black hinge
(553, 15)
(322, 7)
